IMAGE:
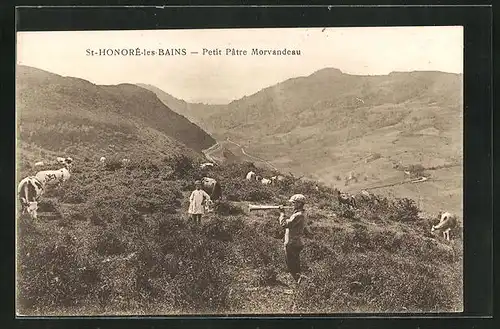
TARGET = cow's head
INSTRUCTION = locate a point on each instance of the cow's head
(31, 209)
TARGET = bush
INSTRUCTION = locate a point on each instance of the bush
(109, 244)
(238, 189)
(403, 210)
(266, 276)
(113, 164)
(216, 229)
(394, 285)
(225, 208)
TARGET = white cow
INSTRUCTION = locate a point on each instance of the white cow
(250, 175)
(447, 222)
(102, 159)
(266, 181)
(29, 191)
(206, 165)
(277, 179)
(39, 164)
(53, 177)
(125, 162)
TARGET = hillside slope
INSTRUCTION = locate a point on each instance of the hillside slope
(330, 124)
(117, 241)
(195, 112)
(65, 114)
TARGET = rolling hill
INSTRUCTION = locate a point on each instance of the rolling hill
(73, 116)
(329, 124)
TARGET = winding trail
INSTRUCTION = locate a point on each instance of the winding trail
(251, 156)
(212, 148)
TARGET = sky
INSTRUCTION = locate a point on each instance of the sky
(222, 78)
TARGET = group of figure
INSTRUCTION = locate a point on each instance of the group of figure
(31, 188)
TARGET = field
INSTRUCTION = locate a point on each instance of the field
(117, 240)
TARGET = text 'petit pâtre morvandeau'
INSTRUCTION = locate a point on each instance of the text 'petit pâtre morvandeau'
(184, 52)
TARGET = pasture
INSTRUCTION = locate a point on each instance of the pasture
(117, 240)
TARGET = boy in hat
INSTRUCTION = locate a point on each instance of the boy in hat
(293, 235)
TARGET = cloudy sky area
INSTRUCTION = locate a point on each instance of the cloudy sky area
(359, 51)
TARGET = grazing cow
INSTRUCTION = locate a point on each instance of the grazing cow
(53, 177)
(265, 181)
(250, 175)
(102, 159)
(346, 199)
(39, 164)
(67, 162)
(366, 195)
(277, 179)
(212, 187)
(29, 190)
(447, 222)
(206, 165)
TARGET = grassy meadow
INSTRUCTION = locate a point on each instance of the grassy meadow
(117, 240)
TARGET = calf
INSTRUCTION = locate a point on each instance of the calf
(447, 222)
(29, 191)
(53, 177)
(265, 181)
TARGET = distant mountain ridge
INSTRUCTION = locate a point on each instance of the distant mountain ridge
(329, 123)
(73, 115)
(195, 112)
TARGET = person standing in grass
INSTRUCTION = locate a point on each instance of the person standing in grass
(197, 201)
(294, 226)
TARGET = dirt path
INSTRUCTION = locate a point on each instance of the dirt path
(251, 156)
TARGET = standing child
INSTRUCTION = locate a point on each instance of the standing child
(196, 202)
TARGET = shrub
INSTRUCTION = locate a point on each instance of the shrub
(216, 229)
(237, 189)
(396, 284)
(109, 244)
(266, 276)
(226, 208)
(50, 274)
(113, 164)
(403, 210)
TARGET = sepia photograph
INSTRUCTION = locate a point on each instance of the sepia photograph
(239, 171)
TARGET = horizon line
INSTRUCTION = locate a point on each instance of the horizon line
(227, 102)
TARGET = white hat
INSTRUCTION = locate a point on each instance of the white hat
(298, 197)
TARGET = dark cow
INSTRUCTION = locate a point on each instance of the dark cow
(346, 199)
(212, 187)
